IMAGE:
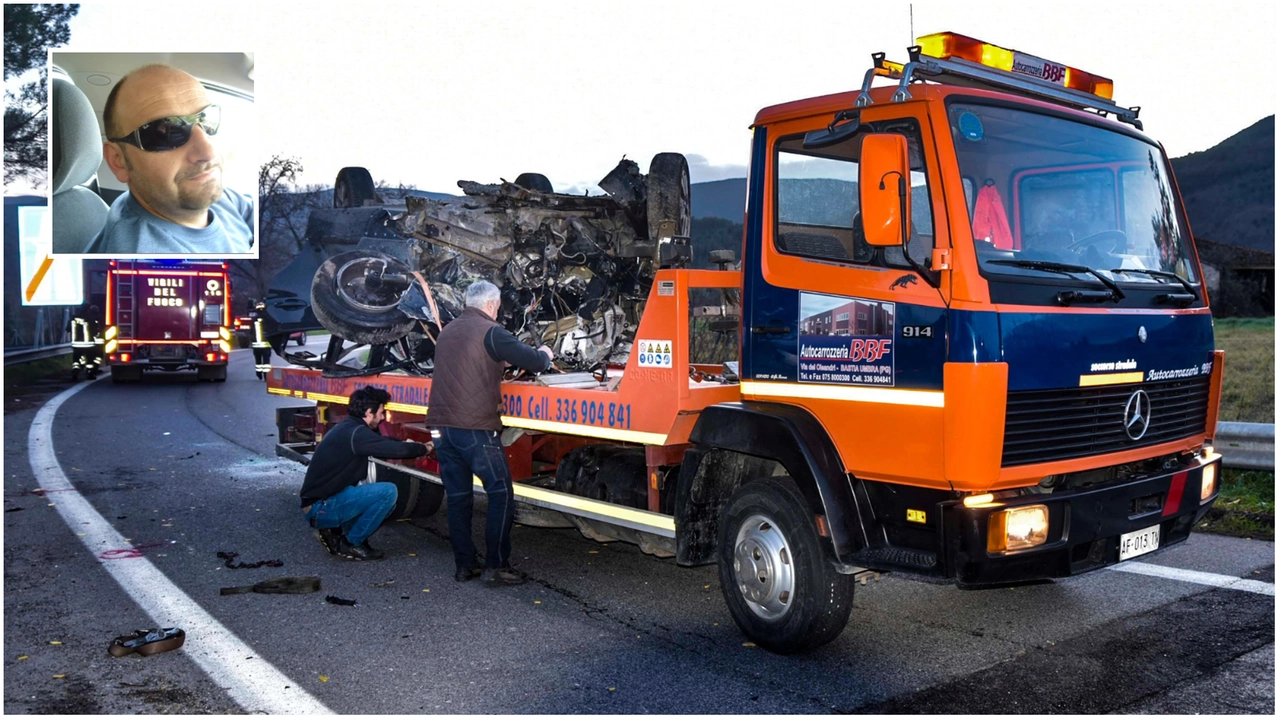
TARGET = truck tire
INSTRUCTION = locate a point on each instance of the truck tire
(779, 587)
(353, 186)
(668, 203)
(376, 322)
(415, 497)
(220, 373)
(536, 182)
(302, 339)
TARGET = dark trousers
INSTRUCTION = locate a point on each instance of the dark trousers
(462, 454)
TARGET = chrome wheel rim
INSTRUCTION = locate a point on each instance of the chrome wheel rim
(353, 290)
(763, 568)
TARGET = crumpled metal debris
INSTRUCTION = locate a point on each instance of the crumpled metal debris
(574, 271)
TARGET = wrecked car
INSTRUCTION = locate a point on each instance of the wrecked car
(574, 270)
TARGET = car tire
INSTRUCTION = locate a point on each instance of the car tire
(415, 497)
(668, 204)
(781, 590)
(346, 317)
(353, 187)
(535, 181)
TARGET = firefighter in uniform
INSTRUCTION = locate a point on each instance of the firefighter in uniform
(86, 343)
(261, 348)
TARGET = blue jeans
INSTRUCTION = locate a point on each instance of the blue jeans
(463, 453)
(358, 510)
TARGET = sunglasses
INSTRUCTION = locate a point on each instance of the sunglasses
(171, 133)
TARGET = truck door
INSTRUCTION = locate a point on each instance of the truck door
(849, 331)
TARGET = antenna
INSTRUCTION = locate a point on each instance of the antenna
(911, 10)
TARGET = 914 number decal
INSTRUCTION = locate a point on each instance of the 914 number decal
(917, 331)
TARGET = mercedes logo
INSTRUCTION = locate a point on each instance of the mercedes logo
(1137, 415)
(1142, 333)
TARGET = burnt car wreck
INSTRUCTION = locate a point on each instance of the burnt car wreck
(574, 270)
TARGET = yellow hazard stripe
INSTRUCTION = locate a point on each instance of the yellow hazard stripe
(401, 407)
(656, 523)
(328, 398)
(635, 436)
(886, 396)
(279, 391)
(1111, 379)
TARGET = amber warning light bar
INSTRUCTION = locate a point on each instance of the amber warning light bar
(949, 46)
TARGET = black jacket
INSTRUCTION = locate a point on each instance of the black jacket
(342, 458)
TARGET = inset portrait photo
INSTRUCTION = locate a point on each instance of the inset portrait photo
(151, 156)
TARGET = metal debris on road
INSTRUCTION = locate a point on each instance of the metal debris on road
(230, 557)
(335, 600)
(277, 586)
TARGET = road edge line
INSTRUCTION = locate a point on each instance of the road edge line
(251, 681)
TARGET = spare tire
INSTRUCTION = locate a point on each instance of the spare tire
(669, 208)
(353, 186)
(535, 181)
(415, 497)
(349, 309)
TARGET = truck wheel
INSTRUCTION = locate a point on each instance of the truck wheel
(536, 182)
(353, 186)
(779, 587)
(669, 208)
(220, 373)
(348, 309)
(415, 497)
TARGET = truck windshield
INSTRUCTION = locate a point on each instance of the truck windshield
(1044, 190)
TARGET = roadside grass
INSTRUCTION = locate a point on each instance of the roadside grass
(1245, 507)
(25, 374)
(1249, 376)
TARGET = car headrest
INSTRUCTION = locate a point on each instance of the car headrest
(77, 141)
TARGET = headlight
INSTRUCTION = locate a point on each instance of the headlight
(1018, 528)
(1208, 482)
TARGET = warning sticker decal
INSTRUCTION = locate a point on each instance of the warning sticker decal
(845, 341)
(654, 353)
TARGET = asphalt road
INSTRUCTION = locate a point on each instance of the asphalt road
(183, 470)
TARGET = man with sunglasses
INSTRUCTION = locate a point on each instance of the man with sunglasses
(160, 128)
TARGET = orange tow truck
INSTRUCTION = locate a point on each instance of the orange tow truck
(973, 343)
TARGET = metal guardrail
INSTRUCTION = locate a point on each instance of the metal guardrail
(1249, 446)
(21, 356)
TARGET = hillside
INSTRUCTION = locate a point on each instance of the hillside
(1229, 189)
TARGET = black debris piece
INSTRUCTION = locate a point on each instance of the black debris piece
(335, 600)
(230, 557)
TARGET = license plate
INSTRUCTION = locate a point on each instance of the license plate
(164, 351)
(1139, 542)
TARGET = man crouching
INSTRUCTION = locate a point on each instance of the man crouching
(344, 512)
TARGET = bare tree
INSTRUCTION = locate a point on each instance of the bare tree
(283, 209)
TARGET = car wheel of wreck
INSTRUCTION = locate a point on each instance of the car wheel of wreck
(535, 181)
(352, 298)
(353, 186)
(669, 208)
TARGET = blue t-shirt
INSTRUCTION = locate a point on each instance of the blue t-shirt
(131, 228)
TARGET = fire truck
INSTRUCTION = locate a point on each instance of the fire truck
(973, 343)
(167, 315)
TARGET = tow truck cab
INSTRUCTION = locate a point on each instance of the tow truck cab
(167, 315)
(974, 306)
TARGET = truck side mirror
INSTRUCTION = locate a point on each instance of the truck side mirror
(884, 191)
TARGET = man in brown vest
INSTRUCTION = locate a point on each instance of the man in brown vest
(465, 413)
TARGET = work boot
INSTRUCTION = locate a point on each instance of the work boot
(468, 573)
(329, 538)
(494, 577)
(363, 551)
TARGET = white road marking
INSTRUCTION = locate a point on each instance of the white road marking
(1193, 576)
(254, 683)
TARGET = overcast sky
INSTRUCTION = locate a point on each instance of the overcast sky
(430, 93)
